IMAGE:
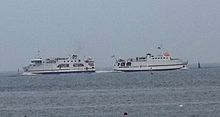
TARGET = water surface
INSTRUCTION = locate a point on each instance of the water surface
(180, 93)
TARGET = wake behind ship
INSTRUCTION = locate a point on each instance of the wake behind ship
(150, 63)
(71, 64)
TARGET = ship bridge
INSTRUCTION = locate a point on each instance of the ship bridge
(36, 61)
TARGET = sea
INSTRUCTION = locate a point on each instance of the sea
(190, 92)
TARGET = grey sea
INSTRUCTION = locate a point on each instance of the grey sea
(181, 93)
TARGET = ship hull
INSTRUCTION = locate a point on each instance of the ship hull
(57, 72)
(151, 68)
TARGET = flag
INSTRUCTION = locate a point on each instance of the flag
(166, 54)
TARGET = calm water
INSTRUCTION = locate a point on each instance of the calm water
(182, 93)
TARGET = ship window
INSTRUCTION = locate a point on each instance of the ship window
(68, 61)
(122, 64)
(63, 65)
(79, 60)
(166, 57)
(36, 61)
(50, 61)
(64, 61)
(78, 65)
(129, 64)
(118, 64)
(91, 64)
(71, 61)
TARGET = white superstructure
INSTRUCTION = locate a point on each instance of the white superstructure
(150, 63)
(71, 64)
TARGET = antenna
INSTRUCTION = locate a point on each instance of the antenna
(18, 72)
(113, 56)
(199, 65)
(78, 46)
(161, 48)
(38, 54)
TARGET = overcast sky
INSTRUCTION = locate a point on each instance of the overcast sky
(189, 29)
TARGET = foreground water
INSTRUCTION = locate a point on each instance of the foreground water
(181, 93)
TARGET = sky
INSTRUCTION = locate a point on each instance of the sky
(188, 29)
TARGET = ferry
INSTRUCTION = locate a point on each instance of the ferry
(150, 62)
(70, 64)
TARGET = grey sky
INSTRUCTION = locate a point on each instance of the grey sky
(189, 29)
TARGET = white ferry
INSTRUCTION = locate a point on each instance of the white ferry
(150, 63)
(71, 64)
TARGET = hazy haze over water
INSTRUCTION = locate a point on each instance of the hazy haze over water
(101, 28)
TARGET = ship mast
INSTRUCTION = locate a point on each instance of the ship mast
(113, 56)
(161, 48)
(38, 54)
(199, 65)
